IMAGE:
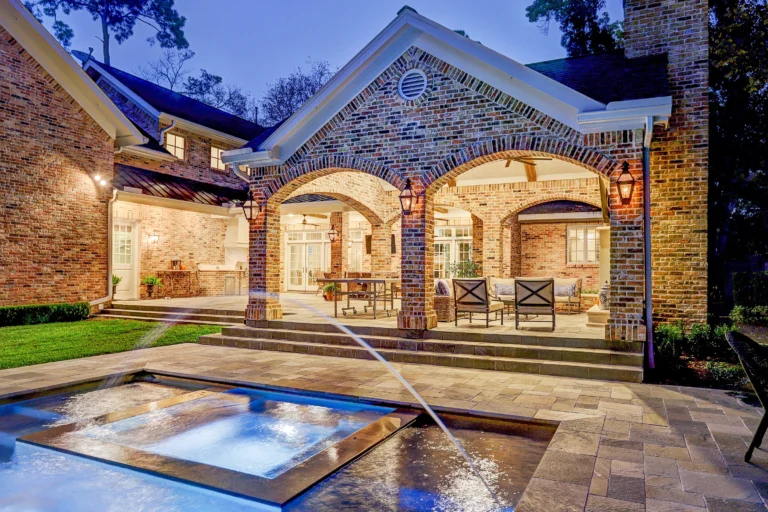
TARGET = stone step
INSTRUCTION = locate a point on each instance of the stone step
(176, 309)
(480, 337)
(167, 318)
(482, 362)
(458, 347)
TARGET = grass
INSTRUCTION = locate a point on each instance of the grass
(34, 344)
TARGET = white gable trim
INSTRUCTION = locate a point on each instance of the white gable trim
(43, 47)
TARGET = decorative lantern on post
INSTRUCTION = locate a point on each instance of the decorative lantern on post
(333, 234)
(249, 205)
(625, 184)
(407, 197)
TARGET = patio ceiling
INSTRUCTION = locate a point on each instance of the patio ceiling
(498, 172)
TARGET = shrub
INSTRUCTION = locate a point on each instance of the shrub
(43, 313)
(750, 289)
(668, 343)
(700, 342)
(464, 269)
(750, 315)
(726, 374)
(152, 281)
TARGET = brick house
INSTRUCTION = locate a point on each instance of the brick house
(516, 167)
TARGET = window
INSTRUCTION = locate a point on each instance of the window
(175, 144)
(216, 162)
(355, 251)
(583, 244)
(452, 245)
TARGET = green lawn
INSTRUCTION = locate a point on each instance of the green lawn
(44, 343)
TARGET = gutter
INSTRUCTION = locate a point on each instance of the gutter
(647, 239)
(102, 300)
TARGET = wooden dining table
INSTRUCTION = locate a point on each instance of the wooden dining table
(378, 289)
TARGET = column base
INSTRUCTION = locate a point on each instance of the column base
(261, 312)
(416, 322)
(615, 331)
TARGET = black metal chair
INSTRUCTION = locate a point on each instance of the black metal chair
(534, 297)
(754, 360)
(471, 296)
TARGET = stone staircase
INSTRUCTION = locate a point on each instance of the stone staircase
(571, 357)
(174, 314)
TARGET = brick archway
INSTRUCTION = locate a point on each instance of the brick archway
(511, 146)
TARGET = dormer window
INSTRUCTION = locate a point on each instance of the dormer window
(216, 162)
(176, 145)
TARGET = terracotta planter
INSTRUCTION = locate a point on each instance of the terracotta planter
(328, 296)
(150, 290)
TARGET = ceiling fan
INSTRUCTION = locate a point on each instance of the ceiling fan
(530, 160)
(305, 223)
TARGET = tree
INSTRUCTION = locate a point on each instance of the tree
(587, 29)
(738, 195)
(117, 17)
(168, 70)
(211, 90)
(286, 95)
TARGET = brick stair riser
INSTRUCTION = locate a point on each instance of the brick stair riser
(179, 310)
(174, 316)
(431, 346)
(542, 367)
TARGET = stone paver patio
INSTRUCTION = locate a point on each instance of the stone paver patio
(618, 447)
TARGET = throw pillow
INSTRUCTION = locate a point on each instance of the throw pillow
(442, 288)
(505, 289)
(565, 290)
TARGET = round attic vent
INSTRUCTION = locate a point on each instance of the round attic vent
(412, 84)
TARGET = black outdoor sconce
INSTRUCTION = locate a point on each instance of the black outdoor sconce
(249, 205)
(625, 184)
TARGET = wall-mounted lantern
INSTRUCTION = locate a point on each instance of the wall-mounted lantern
(101, 181)
(625, 184)
(250, 206)
(407, 198)
(333, 234)
(154, 238)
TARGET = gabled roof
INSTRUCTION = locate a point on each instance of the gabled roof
(43, 47)
(610, 77)
(172, 187)
(166, 101)
(572, 106)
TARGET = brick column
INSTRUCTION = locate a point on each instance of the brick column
(381, 251)
(477, 241)
(513, 256)
(492, 247)
(264, 264)
(417, 311)
(339, 253)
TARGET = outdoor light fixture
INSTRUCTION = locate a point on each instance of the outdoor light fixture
(333, 234)
(407, 197)
(249, 205)
(626, 184)
(154, 238)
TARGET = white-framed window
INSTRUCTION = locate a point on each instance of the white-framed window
(216, 162)
(355, 251)
(583, 244)
(452, 245)
(176, 145)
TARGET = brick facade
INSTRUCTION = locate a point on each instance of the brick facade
(679, 161)
(53, 216)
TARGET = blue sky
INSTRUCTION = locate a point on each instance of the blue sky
(253, 42)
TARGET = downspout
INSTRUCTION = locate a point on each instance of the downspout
(240, 174)
(109, 253)
(162, 132)
(647, 239)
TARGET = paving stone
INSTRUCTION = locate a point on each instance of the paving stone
(725, 505)
(675, 496)
(584, 443)
(626, 488)
(607, 504)
(664, 439)
(541, 495)
(610, 452)
(628, 469)
(592, 424)
(669, 452)
(663, 481)
(600, 477)
(719, 486)
(566, 467)
(661, 466)
(666, 506)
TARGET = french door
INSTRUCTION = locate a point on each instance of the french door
(306, 254)
(125, 256)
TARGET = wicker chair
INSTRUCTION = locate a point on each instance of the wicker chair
(534, 297)
(471, 296)
(754, 360)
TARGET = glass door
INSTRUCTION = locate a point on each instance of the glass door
(306, 254)
(313, 264)
(296, 267)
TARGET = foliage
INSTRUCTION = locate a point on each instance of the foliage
(169, 70)
(586, 27)
(116, 280)
(755, 315)
(726, 375)
(701, 341)
(750, 288)
(43, 313)
(117, 17)
(211, 90)
(738, 197)
(287, 94)
(331, 287)
(152, 281)
(466, 268)
(35, 344)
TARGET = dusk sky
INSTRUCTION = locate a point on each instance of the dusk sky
(253, 42)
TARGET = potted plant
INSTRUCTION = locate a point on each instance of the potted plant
(466, 268)
(150, 282)
(115, 281)
(329, 290)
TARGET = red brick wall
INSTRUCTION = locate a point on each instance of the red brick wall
(544, 254)
(53, 217)
(679, 162)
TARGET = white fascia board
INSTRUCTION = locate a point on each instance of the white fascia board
(149, 153)
(626, 115)
(44, 48)
(176, 204)
(560, 217)
(202, 130)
